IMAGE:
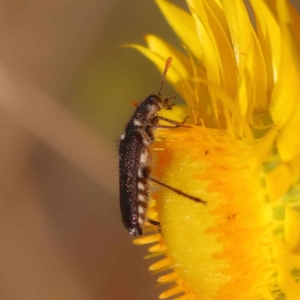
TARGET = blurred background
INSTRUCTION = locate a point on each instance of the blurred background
(66, 87)
(65, 91)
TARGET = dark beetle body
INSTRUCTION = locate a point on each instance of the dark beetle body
(130, 152)
(134, 163)
(135, 159)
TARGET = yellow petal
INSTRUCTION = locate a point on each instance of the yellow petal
(217, 8)
(288, 142)
(218, 56)
(285, 109)
(241, 32)
(292, 229)
(180, 62)
(280, 174)
(242, 127)
(183, 25)
(173, 76)
(290, 288)
(294, 166)
(285, 94)
(210, 58)
(269, 38)
(252, 95)
(224, 50)
(261, 149)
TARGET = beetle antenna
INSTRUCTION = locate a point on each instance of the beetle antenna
(179, 192)
(167, 66)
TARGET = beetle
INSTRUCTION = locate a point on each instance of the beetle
(135, 159)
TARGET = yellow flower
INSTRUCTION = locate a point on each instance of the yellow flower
(242, 86)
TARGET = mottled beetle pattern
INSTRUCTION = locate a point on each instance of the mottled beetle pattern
(135, 160)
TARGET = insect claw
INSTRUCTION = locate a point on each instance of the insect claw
(155, 223)
(184, 120)
(169, 106)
